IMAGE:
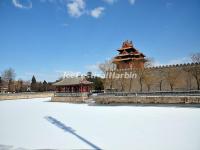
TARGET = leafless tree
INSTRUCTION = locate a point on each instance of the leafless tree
(122, 79)
(195, 58)
(141, 71)
(148, 79)
(19, 85)
(171, 76)
(140, 75)
(188, 77)
(159, 78)
(131, 80)
(1, 83)
(107, 68)
(149, 62)
(8, 77)
(8, 74)
(195, 72)
(195, 69)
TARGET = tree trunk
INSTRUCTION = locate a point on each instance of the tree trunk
(198, 84)
(140, 84)
(111, 84)
(171, 86)
(130, 85)
(161, 85)
(122, 85)
(148, 86)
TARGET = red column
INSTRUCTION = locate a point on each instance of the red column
(81, 88)
(84, 89)
(72, 89)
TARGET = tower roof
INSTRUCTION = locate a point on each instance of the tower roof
(128, 53)
(127, 45)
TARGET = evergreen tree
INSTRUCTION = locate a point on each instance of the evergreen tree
(45, 84)
(89, 75)
(33, 84)
(33, 80)
(1, 81)
(97, 82)
(1, 84)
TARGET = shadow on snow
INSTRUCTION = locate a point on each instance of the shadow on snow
(70, 130)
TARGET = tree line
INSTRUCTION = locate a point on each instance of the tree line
(41, 86)
(9, 84)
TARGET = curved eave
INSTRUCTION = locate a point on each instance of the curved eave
(126, 48)
(118, 60)
(143, 55)
(133, 54)
(73, 84)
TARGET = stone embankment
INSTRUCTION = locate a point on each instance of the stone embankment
(13, 96)
(147, 99)
(69, 99)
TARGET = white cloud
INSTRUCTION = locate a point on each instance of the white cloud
(65, 24)
(132, 2)
(76, 8)
(169, 5)
(19, 4)
(96, 12)
(182, 60)
(93, 67)
(110, 1)
(54, 1)
(51, 1)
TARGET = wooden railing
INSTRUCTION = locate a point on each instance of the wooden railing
(70, 94)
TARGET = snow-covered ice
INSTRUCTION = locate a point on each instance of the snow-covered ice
(39, 124)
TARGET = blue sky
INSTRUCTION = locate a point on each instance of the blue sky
(48, 37)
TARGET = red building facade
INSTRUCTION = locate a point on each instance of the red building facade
(73, 85)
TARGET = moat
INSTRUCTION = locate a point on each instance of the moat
(40, 124)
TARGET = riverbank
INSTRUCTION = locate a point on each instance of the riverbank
(28, 95)
(147, 99)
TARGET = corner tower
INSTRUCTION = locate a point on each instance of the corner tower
(129, 57)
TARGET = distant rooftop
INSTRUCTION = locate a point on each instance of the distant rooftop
(72, 81)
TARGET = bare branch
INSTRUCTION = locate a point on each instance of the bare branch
(195, 57)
